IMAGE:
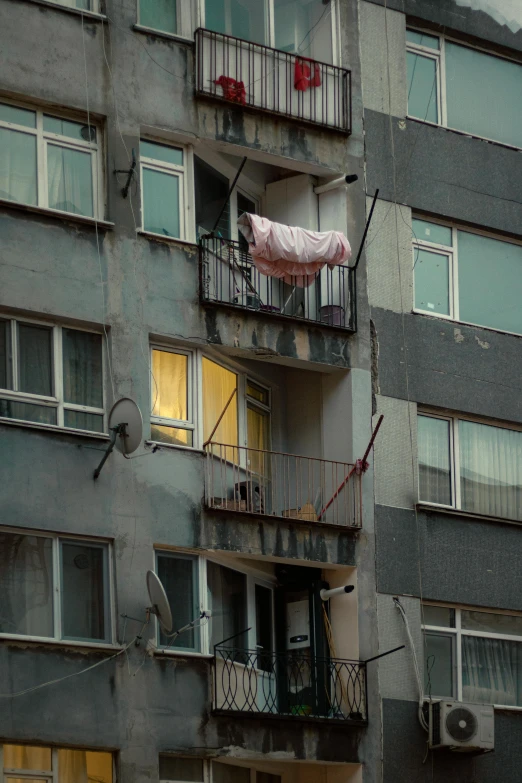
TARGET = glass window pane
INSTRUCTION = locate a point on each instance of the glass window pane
(508, 624)
(490, 282)
(17, 116)
(227, 602)
(163, 152)
(5, 355)
(421, 39)
(84, 586)
(175, 768)
(18, 166)
(175, 435)
(304, 26)
(434, 460)
(491, 671)
(257, 392)
(267, 777)
(438, 669)
(178, 576)
(26, 585)
(438, 615)
(490, 470)
(264, 619)
(159, 14)
(82, 368)
(170, 385)
(258, 437)
(69, 180)
(218, 386)
(432, 280)
(475, 80)
(241, 18)
(35, 352)
(24, 780)
(211, 190)
(431, 232)
(74, 130)
(161, 205)
(99, 767)
(422, 87)
(93, 422)
(26, 411)
(30, 757)
(229, 773)
(84, 765)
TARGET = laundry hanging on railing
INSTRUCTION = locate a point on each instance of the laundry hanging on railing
(232, 89)
(289, 253)
(303, 78)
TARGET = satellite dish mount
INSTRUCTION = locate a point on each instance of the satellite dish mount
(126, 427)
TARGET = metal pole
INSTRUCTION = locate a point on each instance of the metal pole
(367, 226)
(115, 432)
(233, 185)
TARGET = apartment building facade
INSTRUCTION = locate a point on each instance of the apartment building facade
(125, 128)
(441, 88)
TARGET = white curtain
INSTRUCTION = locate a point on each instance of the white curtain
(491, 671)
(491, 470)
(17, 166)
(26, 585)
(69, 178)
(434, 460)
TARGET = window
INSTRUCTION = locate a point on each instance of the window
(54, 587)
(470, 465)
(237, 600)
(296, 26)
(467, 277)
(194, 770)
(473, 656)
(67, 765)
(450, 84)
(51, 375)
(164, 189)
(195, 398)
(49, 161)
(173, 17)
(211, 189)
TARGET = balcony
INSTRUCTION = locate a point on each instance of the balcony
(230, 278)
(282, 486)
(291, 684)
(247, 74)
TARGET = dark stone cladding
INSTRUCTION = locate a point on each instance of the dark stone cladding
(404, 748)
(462, 368)
(447, 15)
(459, 559)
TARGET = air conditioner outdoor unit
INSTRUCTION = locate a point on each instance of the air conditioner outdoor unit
(461, 727)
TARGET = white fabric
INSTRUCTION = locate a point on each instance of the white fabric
(292, 254)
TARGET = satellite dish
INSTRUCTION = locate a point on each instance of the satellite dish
(126, 412)
(159, 602)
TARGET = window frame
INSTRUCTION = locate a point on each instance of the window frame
(441, 78)
(56, 400)
(202, 632)
(183, 173)
(57, 591)
(52, 775)
(453, 253)
(192, 384)
(184, 17)
(457, 633)
(454, 453)
(44, 138)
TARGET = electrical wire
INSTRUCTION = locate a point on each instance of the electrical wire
(416, 668)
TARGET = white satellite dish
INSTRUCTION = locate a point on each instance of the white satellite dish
(126, 427)
(159, 602)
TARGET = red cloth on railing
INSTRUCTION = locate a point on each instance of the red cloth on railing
(303, 78)
(232, 89)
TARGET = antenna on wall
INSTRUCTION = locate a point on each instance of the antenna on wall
(126, 427)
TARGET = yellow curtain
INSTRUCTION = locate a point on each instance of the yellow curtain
(27, 757)
(84, 766)
(258, 438)
(218, 385)
(170, 385)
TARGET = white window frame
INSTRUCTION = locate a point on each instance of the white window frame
(270, 21)
(56, 400)
(457, 633)
(454, 453)
(184, 18)
(46, 138)
(202, 632)
(440, 57)
(452, 252)
(184, 175)
(207, 769)
(108, 597)
(192, 383)
(49, 775)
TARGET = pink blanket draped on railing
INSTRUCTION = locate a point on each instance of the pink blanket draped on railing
(289, 253)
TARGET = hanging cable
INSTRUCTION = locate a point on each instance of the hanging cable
(420, 689)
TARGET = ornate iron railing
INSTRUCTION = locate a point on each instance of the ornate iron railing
(229, 277)
(248, 74)
(289, 684)
(285, 486)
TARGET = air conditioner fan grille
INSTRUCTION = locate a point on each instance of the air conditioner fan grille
(461, 724)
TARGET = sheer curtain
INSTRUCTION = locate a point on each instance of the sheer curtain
(218, 385)
(69, 178)
(258, 438)
(27, 757)
(169, 386)
(227, 601)
(26, 570)
(490, 470)
(17, 166)
(82, 368)
(491, 671)
(434, 460)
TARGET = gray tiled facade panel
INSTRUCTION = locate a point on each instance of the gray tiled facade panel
(448, 558)
(463, 368)
(389, 257)
(395, 453)
(405, 748)
(388, 37)
(396, 671)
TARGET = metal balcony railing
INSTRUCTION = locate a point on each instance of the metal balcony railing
(289, 684)
(248, 74)
(284, 486)
(229, 277)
